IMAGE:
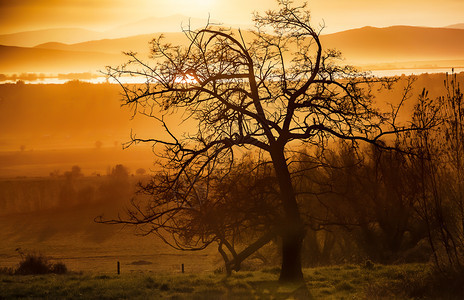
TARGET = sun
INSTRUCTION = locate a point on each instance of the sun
(185, 79)
(192, 7)
(192, 4)
(202, 3)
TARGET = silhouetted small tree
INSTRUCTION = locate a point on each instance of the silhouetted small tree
(140, 171)
(120, 172)
(74, 173)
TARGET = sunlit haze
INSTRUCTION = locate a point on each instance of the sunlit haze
(175, 149)
(337, 15)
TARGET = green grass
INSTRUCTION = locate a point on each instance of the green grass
(336, 282)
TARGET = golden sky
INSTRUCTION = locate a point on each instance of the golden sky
(19, 15)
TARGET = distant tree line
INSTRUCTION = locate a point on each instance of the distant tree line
(68, 190)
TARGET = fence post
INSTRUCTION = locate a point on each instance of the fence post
(182, 268)
(119, 268)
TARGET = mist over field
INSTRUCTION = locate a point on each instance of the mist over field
(50, 129)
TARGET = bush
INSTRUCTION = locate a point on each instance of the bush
(33, 264)
(6, 271)
(445, 284)
(428, 284)
(59, 268)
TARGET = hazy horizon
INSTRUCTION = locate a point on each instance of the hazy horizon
(337, 15)
(83, 36)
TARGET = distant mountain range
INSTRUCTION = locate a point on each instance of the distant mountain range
(138, 43)
(173, 23)
(456, 26)
(370, 45)
(16, 60)
(62, 35)
(363, 46)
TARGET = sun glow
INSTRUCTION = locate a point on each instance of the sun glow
(200, 3)
(192, 8)
(186, 79)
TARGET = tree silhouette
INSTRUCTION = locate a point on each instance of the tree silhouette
(271, 90)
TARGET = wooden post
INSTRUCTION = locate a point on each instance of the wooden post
(182, 268)
(119, 268)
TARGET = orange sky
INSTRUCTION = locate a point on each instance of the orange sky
(19, 15)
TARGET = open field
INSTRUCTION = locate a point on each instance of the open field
(336, 282)
(48, 127)
(54, 216)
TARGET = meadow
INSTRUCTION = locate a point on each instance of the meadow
(408, 281)
(59, 225)
(54, 216)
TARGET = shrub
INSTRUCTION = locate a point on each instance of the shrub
(59, 268)
(33, 264)
(426, 284)
(445, 284)
(6, 271)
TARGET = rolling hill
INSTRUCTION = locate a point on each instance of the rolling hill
(78, 35)
(173, 23)
(138, 43)
(62, 35)
(402, 46)
(363, 45)
(369, 45)
(456, 26)
(15, 60)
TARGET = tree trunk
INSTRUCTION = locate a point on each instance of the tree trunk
(292, 227)
(237, 259)
(292, 240)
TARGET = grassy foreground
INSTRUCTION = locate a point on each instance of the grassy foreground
(335, 282)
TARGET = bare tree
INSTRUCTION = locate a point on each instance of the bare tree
(271, 90)
(438, 157)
